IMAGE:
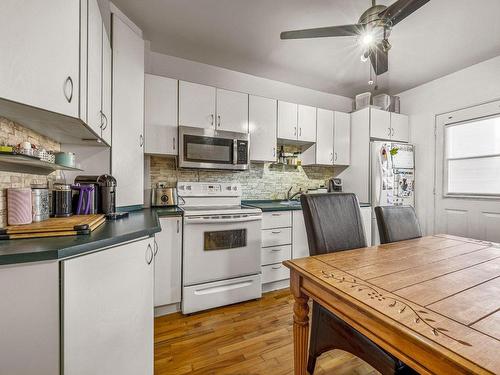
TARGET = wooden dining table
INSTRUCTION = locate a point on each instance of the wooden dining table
(432, 302)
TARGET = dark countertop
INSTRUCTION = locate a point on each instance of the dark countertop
(141, 223)
(275, 205)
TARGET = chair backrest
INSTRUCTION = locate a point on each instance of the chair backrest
(397, 223)
(333, 222)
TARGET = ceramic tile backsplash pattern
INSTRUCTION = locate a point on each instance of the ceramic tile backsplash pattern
(261, 181)
(12, 134)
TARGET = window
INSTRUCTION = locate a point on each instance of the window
(472, 157)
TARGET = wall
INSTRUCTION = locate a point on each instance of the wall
(12, 134)
(174, 67)
(261, 181)
(468, 87)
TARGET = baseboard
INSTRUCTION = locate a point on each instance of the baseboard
(167, 309)
(275, 285)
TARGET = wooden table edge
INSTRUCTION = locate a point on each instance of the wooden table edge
(304, 287)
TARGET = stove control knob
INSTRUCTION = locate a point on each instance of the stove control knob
(235, 188)
(228, 187)
(188, 187)
(181, 187)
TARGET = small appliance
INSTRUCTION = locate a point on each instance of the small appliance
(162, 196)
(93, 195)
(107, 185)
(213, 149)
(335, 185)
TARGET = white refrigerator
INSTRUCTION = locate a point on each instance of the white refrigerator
(392, 177)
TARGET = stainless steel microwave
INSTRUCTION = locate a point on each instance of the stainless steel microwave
(212, 149)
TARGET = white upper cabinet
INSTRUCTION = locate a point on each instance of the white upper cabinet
(160, 115)
(94, 67)
(287, 120)
(342, 139)
(380, 123)
(399, 127)
(196, 105)
(232, 111)
(40, 62)
(324, 139)
(306, 123)
(127, 154)
(106, 88)
(262, 126)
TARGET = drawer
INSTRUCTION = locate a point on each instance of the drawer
(276, 219)
(274, 272)
(275, 254)
(276, 237)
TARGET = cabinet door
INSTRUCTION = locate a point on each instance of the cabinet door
(29, 318)
(108, 311)
(106, 88)
(168, 257)
(300, 247)
(287, 120)
(324, 139)
(306, 123)
(160, 115)
(127, 156)
(262, 114)
(380, 124)
(196, 105)
(400, 127)
(342, 139)
(40, 44)
(94, 68)
(366, 215)
(232, 111)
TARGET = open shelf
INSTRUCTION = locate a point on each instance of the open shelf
(30, 165)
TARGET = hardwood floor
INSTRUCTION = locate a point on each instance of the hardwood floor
(253, 337)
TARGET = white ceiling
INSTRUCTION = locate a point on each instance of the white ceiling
(243, 35)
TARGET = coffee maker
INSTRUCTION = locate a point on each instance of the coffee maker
(107, 186)
(335, 185)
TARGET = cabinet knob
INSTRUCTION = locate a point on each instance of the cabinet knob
(212, 119)
(68, 89)
(218, 121)
(155, 244)
(141, 140)
(149, 254)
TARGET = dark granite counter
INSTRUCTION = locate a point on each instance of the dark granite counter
(141, 223)
(277, 205)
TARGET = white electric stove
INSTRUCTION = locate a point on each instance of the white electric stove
(221, 246)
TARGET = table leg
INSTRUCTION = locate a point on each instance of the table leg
(300, 326)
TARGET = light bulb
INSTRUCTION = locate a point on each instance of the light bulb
(365, 56)
(367, 39)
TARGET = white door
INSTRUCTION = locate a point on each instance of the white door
(324, 138)
(467, 193)
(40, 44)
(168, 283)
(262, 113)
(160, 115)
(127, 155)
(106, 88)
(342, 139)
(95, 68)
(366, 215)
(306, 123)
(108, 311)
(400, 130)
(232, 111)
(196, 105)
(287, 120)
(300, 247)
(380, 124)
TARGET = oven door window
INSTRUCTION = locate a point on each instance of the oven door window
(208, 149)
(225, 239)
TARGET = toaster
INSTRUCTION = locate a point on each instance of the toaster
(163, 196)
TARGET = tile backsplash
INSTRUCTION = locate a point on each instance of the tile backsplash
(261, 181)
(11, 134)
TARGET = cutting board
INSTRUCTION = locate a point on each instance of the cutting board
(54, 227)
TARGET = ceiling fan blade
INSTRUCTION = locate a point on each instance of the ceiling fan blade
(379, 57)
(401, 9)
(324, 32)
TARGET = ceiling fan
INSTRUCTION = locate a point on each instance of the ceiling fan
(373, 30)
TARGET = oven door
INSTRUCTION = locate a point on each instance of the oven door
(220, 247)
(212, 149)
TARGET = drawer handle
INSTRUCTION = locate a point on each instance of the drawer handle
(276, 268)
(276, 232)
(275, 249)
(275, 214)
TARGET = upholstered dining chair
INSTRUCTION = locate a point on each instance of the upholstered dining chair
(333, 223)
(397, 223)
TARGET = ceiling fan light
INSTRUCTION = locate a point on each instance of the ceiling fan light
(365, 56)
(367, 39)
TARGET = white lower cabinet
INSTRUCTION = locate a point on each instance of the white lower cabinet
(300, 247)
(29, 319)
(107, 311)
(274, 272)
(168, 282)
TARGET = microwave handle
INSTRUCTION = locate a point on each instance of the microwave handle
(235, 151)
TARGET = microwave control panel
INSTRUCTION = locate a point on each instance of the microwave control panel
(242, 151)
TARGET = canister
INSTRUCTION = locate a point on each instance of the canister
(62, 200)
(40, 203)
(19, 206)
(66, 158)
